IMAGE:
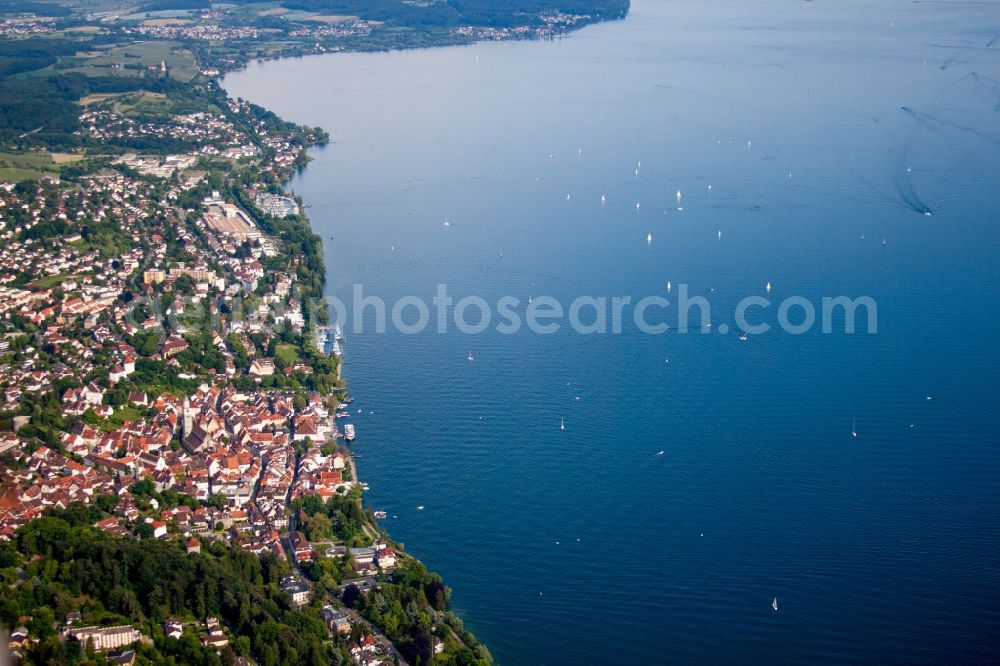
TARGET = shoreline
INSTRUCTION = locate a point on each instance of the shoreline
(344, 387)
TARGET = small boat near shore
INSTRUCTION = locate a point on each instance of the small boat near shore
(349, 432)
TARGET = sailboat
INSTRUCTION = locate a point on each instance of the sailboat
(854, 428)
(470, 355)
(562, 424)
(774, 604)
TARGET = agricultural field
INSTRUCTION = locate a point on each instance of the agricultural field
(133, 60)
(15, 166)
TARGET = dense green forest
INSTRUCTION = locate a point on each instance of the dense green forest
(39, 8)
(127, 581)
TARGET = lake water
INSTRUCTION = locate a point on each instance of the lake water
(822, 128)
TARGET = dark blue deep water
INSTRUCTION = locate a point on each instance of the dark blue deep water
(816, 124)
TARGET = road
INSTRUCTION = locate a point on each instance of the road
(386, 644)
(354, 616)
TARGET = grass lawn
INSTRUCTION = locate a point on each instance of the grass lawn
(65, 158)
(287, 353)
(14, 174)
(50, 281)
(123, 414)
(330, 18)
(98, 97)
(17, 166)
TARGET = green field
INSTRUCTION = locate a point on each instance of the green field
(21, 166)
(51, 281)
(132, 60)
(287, 353)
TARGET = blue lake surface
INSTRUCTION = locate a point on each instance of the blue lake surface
(822, 128)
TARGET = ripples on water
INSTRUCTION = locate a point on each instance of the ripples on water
(860, 119)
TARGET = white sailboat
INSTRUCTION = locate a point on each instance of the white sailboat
(774, 604)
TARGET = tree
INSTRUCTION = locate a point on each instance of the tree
(351, 594)
(42, 622)
(319, 527)
(420, 650)
(437, 595)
